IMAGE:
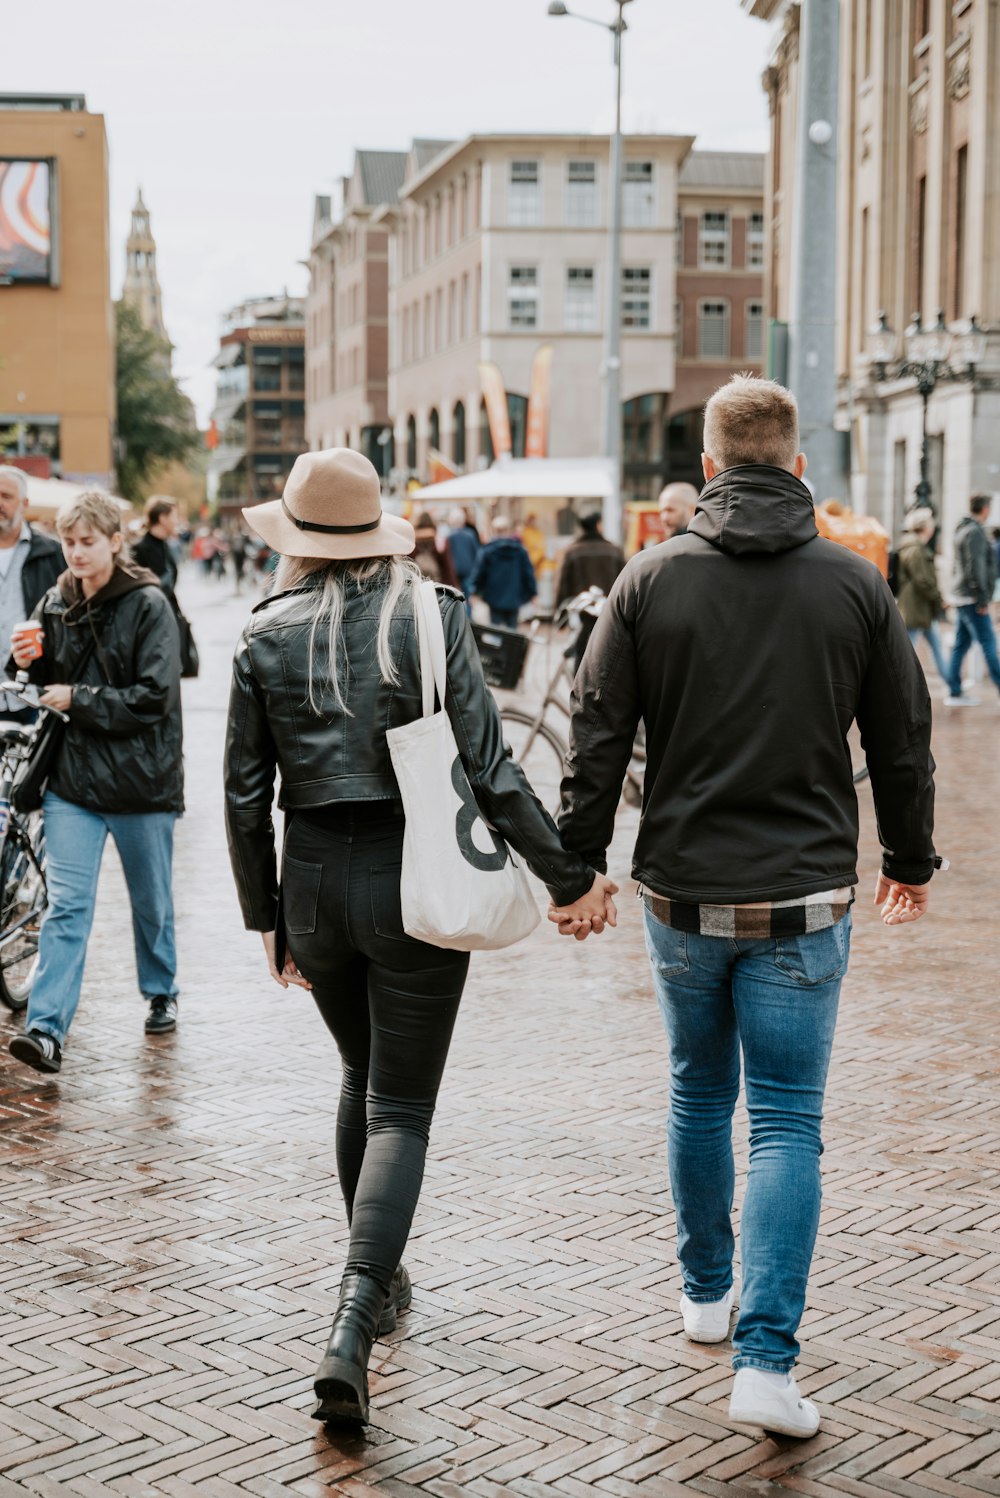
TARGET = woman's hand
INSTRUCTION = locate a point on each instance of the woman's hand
(23, 649)
(289, 973)
(591, 913)
(59, 696)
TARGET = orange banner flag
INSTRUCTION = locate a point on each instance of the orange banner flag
(496, 409)
(540, 403)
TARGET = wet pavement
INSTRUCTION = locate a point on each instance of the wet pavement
(171, 1230)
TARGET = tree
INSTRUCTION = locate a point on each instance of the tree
(156, 422)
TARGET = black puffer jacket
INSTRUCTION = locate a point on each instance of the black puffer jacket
(122, 749)
(749, 646)
(341, 757)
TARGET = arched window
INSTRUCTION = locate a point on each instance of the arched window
(485, 439)
(411, 442)
(517, 410)
(434, 430)
(458, 439)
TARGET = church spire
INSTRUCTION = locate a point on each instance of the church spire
(142, 289)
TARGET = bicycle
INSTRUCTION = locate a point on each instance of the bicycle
(538, 748)
(23, 890)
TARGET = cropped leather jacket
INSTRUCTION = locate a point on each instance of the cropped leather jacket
(332, 756)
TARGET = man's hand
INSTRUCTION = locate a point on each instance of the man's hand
(289, 973)
(59, 696)
(591, 913)
(901, 903)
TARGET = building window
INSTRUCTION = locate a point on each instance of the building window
(678, 329)
(581, 299)
(919, 243)
(411, 442)
(754, 350)
(485, 435)
(524, 202)
(434, 430)
(713, 330)
(713, 246)
(638, 196)
(452, 311)
(642, 430)
(961, 211)
(755, 241)
(517, 413)
(458, 436)
(464, 331)
(581, 194)
(637, 297)
(522, 296)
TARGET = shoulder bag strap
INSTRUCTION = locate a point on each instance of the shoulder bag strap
(433, 659)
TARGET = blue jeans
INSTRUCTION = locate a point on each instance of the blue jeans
(933, 638)
(506, 618)
(777, 998)
(972, 625)
(74, 846)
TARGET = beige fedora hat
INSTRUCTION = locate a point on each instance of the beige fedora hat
(331, 507)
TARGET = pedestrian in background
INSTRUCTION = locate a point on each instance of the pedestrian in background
(748, 647)
(30, 562)
(433, 559)
(973, 582)
(155, 547)
(917, 591)
(324, 668)
(504, 577)
(591, 561)
(238, 557)
(464, 546)
(676, 505)
(111, 660)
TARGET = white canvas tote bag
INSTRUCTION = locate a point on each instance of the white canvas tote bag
(461, 886)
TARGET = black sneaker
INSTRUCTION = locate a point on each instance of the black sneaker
(38, 1050)
(162, 1015)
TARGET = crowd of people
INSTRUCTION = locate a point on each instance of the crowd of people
(747, 876)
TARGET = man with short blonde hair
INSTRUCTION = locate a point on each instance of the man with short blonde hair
(749, 647)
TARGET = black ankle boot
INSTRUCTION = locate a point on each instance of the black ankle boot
(398, 1300)
(342, 1377)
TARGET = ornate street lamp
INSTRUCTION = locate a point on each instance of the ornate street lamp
(612, 363)
(925, 359)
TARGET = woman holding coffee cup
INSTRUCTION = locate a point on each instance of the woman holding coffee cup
(103, 643)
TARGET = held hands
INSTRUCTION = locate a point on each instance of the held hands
(901, 903)
(591, 913)
(289, 973)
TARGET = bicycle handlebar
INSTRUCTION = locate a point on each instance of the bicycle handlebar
(28, 693)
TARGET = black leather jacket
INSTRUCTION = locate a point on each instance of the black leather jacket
(122, 749)
(344, 756)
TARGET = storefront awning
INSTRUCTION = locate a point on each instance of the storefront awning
(526, 478)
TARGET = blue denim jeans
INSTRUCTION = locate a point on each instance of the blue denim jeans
(972, 625)
(74, 846)
(777, 1000)
(932, 635)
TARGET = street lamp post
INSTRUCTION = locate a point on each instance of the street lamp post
(926, 361)
(612, 363)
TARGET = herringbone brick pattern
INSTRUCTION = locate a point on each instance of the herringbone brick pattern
(170, 1228)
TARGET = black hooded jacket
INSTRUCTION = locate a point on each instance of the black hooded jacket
(749, 646)
(121, 751)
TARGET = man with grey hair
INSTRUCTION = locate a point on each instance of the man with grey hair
(676, 505)
(30, 562)
(749, 647)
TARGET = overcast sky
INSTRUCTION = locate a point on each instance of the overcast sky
(232, 114)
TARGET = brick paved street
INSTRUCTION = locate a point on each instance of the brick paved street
(171, 1231)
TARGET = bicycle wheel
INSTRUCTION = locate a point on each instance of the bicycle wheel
(540, 753)
(22, 904)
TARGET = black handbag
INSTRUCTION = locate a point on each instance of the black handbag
(32, 774)
(190, 661)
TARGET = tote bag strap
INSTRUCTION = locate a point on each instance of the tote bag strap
(430, 636)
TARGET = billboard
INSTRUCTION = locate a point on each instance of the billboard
(26, 238)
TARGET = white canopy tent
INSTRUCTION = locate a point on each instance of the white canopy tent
(525, 478)
(46, 497)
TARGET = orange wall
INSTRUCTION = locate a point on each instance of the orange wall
(57, 343)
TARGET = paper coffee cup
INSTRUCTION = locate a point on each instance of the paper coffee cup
(29, 632)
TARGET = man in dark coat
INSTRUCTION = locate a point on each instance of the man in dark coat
(589, 562)
(30, 562)
(504, 577)
(154, 550)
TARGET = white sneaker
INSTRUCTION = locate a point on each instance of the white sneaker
(772, 1401)
(707, 1321)
(962, 701)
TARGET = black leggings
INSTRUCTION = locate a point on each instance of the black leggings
(390, 1003)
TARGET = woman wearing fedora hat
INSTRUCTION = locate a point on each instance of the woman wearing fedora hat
(325, 667)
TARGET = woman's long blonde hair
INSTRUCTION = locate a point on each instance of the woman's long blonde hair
(325, 601)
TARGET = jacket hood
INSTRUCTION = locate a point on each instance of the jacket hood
(754, 508)
(124, 579)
